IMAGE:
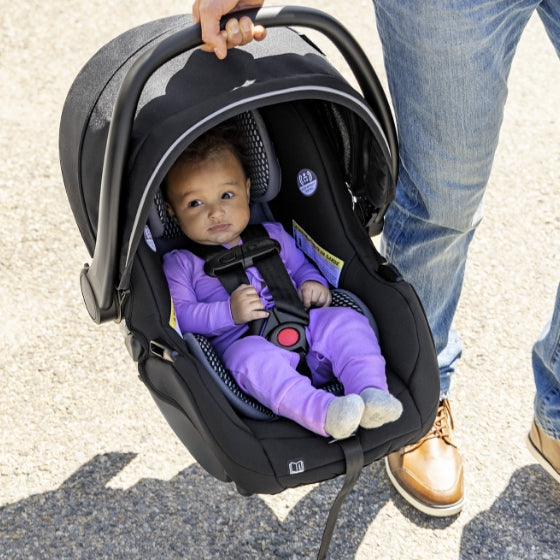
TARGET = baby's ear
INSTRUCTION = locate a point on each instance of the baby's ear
(248, 187)
(170, 211)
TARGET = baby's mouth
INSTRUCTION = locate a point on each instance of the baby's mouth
(219, 227)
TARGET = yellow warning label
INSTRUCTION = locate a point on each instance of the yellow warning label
(329, 265)
(173, 316)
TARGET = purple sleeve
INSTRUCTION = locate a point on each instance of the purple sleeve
(206, 312)
(299, 268)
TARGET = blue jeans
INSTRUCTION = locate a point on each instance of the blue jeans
(447, 64)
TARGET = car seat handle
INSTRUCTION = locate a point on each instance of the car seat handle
(349, 48)
(98, 280)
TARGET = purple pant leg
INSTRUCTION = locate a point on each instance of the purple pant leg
(343, 343)
(267, 373)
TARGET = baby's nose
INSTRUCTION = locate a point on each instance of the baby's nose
(215, 210)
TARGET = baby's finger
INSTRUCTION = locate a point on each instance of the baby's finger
(254, 302)
(259, 314)
(307, 298)
(243, 288)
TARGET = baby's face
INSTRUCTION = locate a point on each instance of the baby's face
(210, 199)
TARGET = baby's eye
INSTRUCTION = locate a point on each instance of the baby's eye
(227, 194)
(194, 203)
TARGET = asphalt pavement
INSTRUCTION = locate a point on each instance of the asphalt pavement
(88, 466)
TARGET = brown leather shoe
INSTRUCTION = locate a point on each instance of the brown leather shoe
(429, 473)
(545, 450)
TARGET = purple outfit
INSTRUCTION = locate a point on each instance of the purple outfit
(341, 340)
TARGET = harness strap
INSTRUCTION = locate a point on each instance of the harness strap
(354, 457)
(287, 320)
(228, 265)
(275, 275)
(287, 305)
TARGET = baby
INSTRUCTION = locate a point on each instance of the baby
(207, 193)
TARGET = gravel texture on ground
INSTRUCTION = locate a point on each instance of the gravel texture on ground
(88, 466)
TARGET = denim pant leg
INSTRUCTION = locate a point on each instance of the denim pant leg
(546, 351)
(546, 369)
(447, 65)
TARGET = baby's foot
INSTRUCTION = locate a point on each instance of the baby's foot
(380, 408)
(343, 416)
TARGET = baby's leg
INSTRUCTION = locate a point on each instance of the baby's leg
(268, 373)
(345, 338)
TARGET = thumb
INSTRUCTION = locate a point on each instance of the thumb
(209, 18)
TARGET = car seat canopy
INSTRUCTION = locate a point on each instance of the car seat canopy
(176, 106)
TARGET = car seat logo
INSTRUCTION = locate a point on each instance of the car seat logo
(297, 466)
(307, 182)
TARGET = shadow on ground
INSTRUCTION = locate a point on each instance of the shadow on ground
(522, 524)
(192, 516)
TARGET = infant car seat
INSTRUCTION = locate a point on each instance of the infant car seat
(325, 167)
(163, 234)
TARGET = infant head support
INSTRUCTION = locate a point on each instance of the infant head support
(262, 167)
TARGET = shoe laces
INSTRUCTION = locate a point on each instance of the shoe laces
(442, 427)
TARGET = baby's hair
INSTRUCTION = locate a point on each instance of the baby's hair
(224, 136)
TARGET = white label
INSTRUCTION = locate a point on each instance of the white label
(307, 181)
(297, 466)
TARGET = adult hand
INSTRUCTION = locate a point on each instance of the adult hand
(237, 32)
(246, 305)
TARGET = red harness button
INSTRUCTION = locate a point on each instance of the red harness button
(287, 337)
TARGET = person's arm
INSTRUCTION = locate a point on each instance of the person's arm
(207, 318)
(237, 32)
(217, 313)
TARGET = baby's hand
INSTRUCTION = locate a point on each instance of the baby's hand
(246, 305)
(314, 294)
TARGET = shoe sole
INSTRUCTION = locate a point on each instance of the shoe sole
(541, 459)
(428, 509)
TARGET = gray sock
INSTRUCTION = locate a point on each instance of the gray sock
(343, 416)
(380, 408)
